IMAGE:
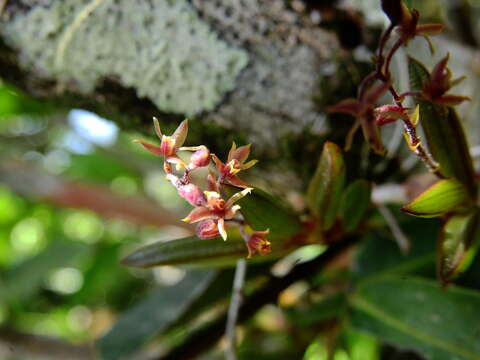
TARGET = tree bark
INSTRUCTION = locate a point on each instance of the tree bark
(251, 66)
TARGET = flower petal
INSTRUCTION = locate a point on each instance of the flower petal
(238, 196)
(156, 124)
(232, 151)
(241, 154)
(429, 29)
(174, 159)
(374, 93)
(231, 212)
(347, 106)
(236, 181)
(199, 214)
(218, 163)
(221, 229)
(212, 182)
(180, 133)
(248, 165)
(154, 149)
(451, 100)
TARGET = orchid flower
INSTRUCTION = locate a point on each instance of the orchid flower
(434, 89)
(235, 163)
(169, 144)
(363, 110)
(258, 243)
(218, 209)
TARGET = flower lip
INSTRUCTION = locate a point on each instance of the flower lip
(192, 194)
(218, 209)
(258, 243)
(207, 229)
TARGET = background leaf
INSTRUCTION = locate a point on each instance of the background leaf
(455, 251)
(444, 133)
(324, 190)
(27, 277)
(262, 211)
(416, 313)
(187, 251)
(440, 198)
(150, 316)
(354, 205)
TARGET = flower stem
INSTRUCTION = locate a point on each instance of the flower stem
(235, 302)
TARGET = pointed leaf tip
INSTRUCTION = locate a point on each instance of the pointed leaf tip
(190, 250)
(325, 188)
(444, 196)
(458, 244)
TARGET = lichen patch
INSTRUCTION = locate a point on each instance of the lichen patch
(160, 48)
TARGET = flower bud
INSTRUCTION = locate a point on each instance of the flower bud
(258, 243)
(207, 229)
(192, 194)
(200, 158)
(389, 113)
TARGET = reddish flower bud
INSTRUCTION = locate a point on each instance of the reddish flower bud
(389, 113)
(435, 88)
(200, 158)
(396, 11)
(207, 229)
(192, 194)
(258, 243)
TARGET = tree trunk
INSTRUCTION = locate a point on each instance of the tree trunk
(247, 65)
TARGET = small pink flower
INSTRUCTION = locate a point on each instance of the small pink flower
(207, 229)
(258, 243)
(169, 144)
(235, 163)
(192, 194)
(200, 158)
(217, 209)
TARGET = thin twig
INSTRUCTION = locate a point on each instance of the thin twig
(205, 337)
(235, 302)
(401, 239)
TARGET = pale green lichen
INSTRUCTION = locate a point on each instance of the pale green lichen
(161, 48)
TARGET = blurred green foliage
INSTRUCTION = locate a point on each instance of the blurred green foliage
(60, 273)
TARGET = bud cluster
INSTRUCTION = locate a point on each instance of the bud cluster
(404, 26)
(213, 212)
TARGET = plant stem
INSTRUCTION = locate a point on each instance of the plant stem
(232, 315)
(384, 75)
(203, 338)
(401, 239)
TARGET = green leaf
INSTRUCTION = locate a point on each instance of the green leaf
(327, 308)
(417, 313)
(262, 211)
(14, 103)
(442, 197)
(355, 203)
(325, 188)
(151, 316)
(420, 260)
(444, 133)
(458, 244)
(187, 251)
(218, 290)
(27, 277)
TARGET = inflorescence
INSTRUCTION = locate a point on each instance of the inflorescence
(213, 211)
